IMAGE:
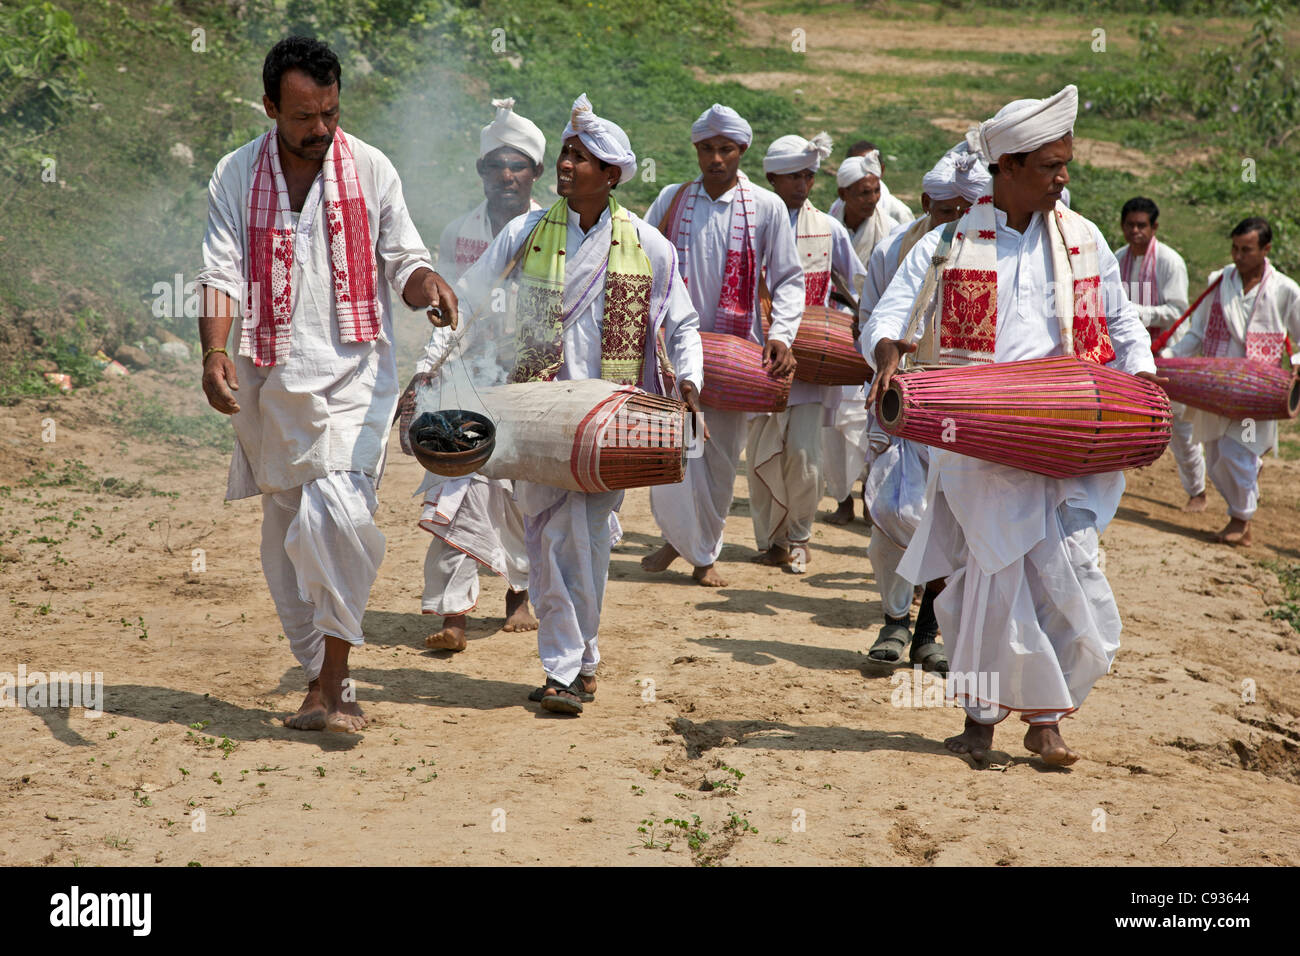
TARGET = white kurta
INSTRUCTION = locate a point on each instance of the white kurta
(312, 429)
(693, 513)
(474, 520)
(568, 533)
(1233, 448)
(1025, 602)
(784, 449)
(1158, 308)
(328, 406)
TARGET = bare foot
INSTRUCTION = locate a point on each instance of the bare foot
(1195, 504)
(843, 514)
(774, 557)
(518, 617)
(451, 637)
(311, 715)
(1045, 740)
(709, 577)
(1237, 533)
(342, 713)
(660, 560)
(918, 592)
(975, 739)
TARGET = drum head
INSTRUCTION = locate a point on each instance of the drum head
(1293, 398)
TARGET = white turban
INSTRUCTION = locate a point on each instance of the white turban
(1024, 125)
(719, 120)
(790, 154)
(858, 167)
(959, 172)
(511, 129)
(606, 140)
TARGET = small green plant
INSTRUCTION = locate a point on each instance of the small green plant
(647, 830)
(695, 835)
(739, 824)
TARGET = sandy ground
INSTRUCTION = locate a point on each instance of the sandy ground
(764, 679)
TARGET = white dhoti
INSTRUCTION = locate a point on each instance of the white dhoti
(569, 536)
(894, 491)
(692, 513)
(844, 443)
(321, 552)
(784, 455)
(474, 521)
(1028, 617)
(1187, 452)
(1234, 469)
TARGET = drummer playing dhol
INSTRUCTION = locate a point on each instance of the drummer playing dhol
(1027, 613)
(1254, 312)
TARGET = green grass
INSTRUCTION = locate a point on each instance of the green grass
(1288, 575)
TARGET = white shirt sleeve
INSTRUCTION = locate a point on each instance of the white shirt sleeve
(660, 206)
(682, 330)
(399, 248)
(1171, 273)
(223, 241)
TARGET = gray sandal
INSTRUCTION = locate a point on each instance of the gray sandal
(890, 641)
(931, 656)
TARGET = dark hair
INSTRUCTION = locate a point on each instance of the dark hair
(311, 56)
(862, 147)
(1019, 159)
(1255, 224)
(1139, 204)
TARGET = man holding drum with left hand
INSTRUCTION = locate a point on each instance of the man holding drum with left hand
(597, 287)
(1027, 612)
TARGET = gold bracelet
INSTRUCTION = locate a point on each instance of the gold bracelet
(215, 348)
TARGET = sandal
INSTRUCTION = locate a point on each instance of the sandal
(576, 688)
(891, 641)
(565, 700)
(931, 656)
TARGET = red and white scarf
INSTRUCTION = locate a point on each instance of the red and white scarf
(735, 312)
(1264, 329)
(1147, 290)
(969, 297)
(265, 335)
(813, 238)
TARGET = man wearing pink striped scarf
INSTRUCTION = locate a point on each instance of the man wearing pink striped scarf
(729, 233)
(1253, 313)
(301, 221)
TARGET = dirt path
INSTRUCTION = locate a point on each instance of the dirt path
(765, 677)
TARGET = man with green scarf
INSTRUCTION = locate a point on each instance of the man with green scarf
(597, 287)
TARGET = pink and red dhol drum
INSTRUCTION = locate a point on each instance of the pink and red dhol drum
(826, 351)
(734, 377)
(1232, 387)
(1059, 417)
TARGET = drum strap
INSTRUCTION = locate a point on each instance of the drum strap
(926, 304)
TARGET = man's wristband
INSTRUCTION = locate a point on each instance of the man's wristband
(215, 348)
